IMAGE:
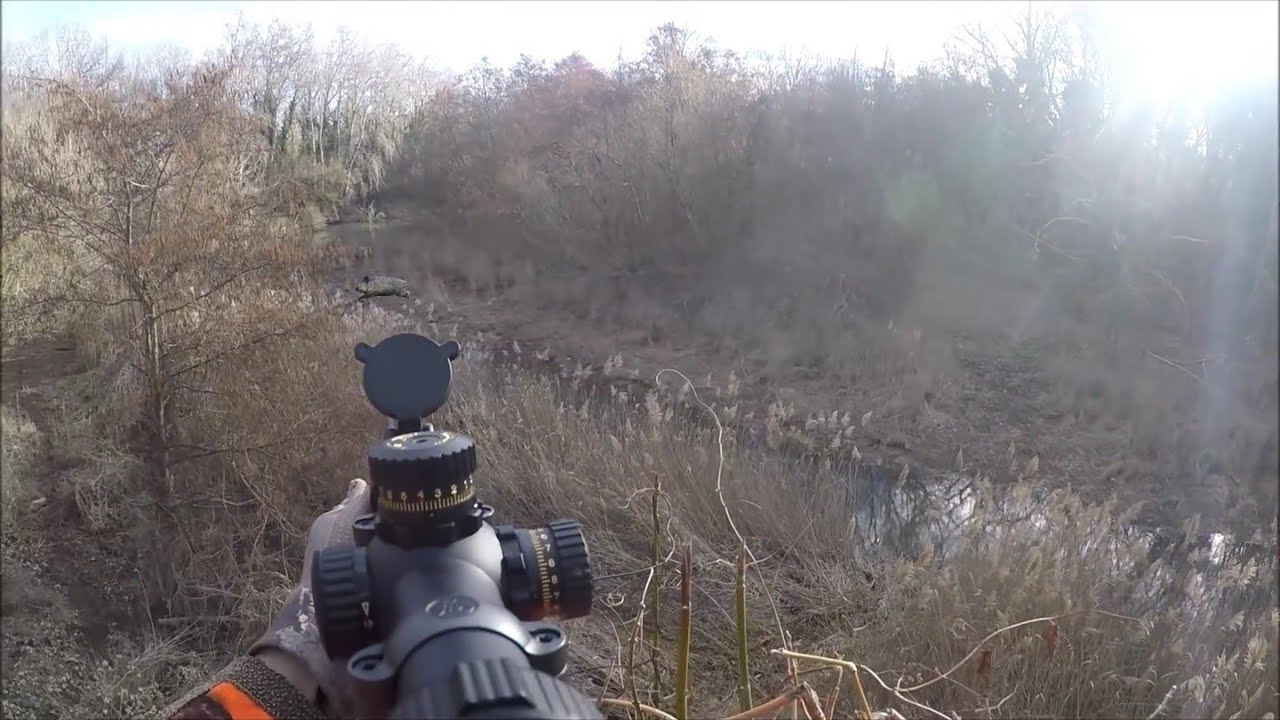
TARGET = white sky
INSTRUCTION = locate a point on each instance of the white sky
(1168, 48)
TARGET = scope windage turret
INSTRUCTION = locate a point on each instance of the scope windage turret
(426, 564)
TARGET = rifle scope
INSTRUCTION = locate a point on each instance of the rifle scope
(438, 613)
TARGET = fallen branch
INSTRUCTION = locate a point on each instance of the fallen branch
(645, 709)
(770, 707)
(833, 662)
(1174, 365)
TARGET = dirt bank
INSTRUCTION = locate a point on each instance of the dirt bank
(987, 404)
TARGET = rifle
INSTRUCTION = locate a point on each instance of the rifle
(438, 613)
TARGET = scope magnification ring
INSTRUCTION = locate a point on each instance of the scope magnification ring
(546, 570)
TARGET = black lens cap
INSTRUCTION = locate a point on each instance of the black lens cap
(407, 376)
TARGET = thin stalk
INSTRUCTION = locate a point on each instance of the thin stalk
(655, 637)
(686, 634)
(744, 671)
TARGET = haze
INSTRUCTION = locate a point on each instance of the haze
(966, 372)
(1165, 52)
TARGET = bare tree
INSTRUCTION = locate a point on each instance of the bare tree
(179, 252)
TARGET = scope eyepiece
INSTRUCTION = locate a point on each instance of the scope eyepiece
(422, 488)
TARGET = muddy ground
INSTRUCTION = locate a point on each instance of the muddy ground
(989, 407)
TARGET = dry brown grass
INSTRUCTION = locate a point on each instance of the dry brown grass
(1021, 555)
(1205, 645)
(20, 458)
(176, 502)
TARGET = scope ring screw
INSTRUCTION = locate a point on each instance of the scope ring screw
(364, 528)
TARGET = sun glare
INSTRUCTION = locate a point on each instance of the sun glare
(1184, 53)
(1160, 53)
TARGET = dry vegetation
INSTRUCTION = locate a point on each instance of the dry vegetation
(993, 250)
(994, 264)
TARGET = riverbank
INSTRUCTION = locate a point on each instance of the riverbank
(992, 408)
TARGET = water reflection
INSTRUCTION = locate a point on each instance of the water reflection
(952, 515)
(906, 515)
